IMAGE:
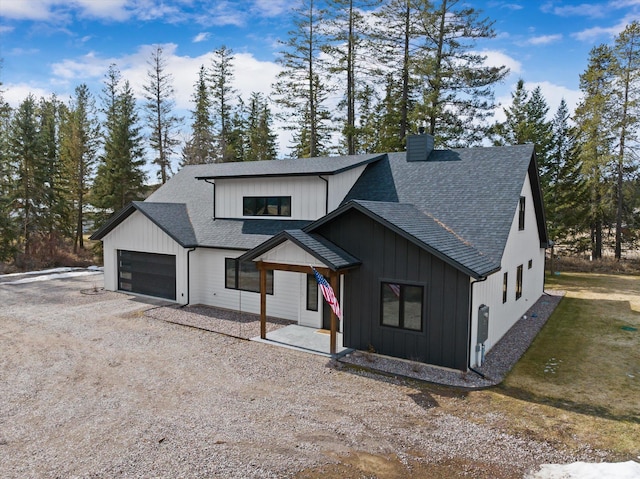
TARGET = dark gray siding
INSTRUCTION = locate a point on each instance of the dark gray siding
(387, 256)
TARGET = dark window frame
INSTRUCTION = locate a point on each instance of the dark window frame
(505, 287)
(402, 304)
(519, 274)
(530, 264)
(312, 293)
(521, 212)
(234, 281)
(259, 205)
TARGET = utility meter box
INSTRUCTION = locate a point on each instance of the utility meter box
(483, 323)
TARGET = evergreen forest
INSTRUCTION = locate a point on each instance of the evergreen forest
(67, 165)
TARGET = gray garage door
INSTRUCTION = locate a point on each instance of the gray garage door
(147, 273)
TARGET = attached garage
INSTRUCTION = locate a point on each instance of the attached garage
(151, 274)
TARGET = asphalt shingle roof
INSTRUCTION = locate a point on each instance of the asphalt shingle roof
(473, 191)
(329, 165)
(321, 248)
(428, 233)
(459, 204)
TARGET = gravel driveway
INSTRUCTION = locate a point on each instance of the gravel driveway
(90, 386)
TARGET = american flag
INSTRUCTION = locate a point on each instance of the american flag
(327, 292)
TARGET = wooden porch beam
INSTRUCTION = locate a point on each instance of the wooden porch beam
(263, 300)
(333, 280)
(295, 268)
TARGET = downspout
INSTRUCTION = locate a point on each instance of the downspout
(188, 277)
(214, 196)
(326, 194)
(471, 324)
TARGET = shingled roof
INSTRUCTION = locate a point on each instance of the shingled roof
(471, 191)
(459, 204)
(321, 248)
(424, 231)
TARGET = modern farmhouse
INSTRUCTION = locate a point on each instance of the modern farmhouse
(434, 254)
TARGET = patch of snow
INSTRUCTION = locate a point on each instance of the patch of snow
(585, 470)
(44, 271)
(46, 277)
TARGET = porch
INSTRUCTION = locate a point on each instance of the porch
(306, 339)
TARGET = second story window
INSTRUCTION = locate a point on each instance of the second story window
(266, 206)
(521, 214)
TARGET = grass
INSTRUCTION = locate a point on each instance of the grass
(583, 358)
(578, 385)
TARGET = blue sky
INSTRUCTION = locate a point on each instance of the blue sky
(51, 46)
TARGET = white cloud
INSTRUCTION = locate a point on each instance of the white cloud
(496, 58)
(32, 10)
(16, 93)
(201, 37)
(591, 34)
(271, 8)
(544, 39)
(593, 10)
(5, 29)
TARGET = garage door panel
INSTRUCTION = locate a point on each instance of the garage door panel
(147, 273)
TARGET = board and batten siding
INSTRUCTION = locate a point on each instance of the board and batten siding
(311, 196)
(208, 287)
(138, 233)
(387, 256)
(521, 247)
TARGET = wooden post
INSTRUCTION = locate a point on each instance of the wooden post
(334, 320)
(263, 300)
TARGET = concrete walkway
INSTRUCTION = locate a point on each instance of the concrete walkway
(303, 338)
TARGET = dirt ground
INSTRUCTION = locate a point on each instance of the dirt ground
(92, 387)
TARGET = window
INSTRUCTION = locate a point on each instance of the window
(530, 265)
(312, 293)
(246, 277)
(505, 284)
(519, 282)
(401, 306)
(521, 214)
(266, 206)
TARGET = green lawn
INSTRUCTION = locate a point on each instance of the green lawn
(587, 357)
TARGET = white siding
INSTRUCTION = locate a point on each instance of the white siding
(310, 195)
(339, 185)
(208, 279)
(137, 233)
(521, 247)
(307, 195)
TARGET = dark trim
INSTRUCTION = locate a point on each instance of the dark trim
(191, 250)
(538, 203)
(326, 194)
(401, 306)
(353, 204)
(212, 183)
(283, 236)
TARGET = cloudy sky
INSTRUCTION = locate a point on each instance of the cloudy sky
(51, 46)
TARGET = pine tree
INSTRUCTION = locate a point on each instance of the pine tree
(221, 81)
(28, 194)
(200, 148)
(346, 31)
(160, 119)
(594, 120)
(8, 226)
(627, 104)
(79, 144)
(457, 95)
(394, 40)
(514, 130)
(55, 212)
(389, 115)
(260, 140)
(564, 193)
(119, 177)
(299, 89)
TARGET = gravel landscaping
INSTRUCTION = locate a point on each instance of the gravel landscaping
(92, 386)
